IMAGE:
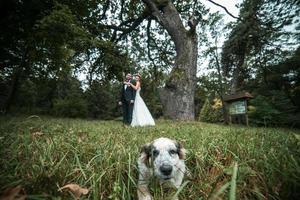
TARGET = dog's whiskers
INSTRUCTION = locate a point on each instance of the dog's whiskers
(179, 169)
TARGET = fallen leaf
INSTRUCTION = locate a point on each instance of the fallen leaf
(16, 193)
(75, 189)
(81, 137)
(37, 134)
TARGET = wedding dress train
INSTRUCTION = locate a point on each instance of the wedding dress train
(141, 115)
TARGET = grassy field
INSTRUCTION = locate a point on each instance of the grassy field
(43, 154)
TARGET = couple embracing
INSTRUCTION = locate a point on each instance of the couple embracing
(135, 111)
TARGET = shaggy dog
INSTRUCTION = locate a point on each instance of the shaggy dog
(164, 159)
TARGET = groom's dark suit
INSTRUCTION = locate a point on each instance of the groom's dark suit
(127, 96)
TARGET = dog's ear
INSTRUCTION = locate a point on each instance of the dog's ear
(145, 154)
(181, 151)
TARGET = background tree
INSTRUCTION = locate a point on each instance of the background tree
(48, 41)
(261, 27)
(217, 30)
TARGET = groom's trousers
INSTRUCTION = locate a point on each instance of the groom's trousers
(127, 112)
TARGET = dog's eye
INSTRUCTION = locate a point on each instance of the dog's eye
(172, 152)
(155, 153)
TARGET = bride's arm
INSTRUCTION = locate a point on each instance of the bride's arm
(137, 86)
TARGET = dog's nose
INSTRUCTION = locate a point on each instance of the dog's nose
(166, 169)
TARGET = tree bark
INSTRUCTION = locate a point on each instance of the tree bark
(178, 94)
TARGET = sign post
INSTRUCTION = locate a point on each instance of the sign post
(237, 106)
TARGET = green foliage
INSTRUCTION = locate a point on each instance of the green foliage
(262, 112)
(43, 154)
(34, 96)
(211, 113)
(69, 101)
(111, 62)
(70, 107)
(28, 96)
(279, 84)
(285, 76)
(102, 100)
(261, 28)
(61, 27)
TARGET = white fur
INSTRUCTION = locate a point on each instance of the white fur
(164, 146)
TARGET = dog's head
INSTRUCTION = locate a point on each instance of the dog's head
(165, 155)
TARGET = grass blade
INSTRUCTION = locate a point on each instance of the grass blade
(180, 189)
(221, 190)
(232, 194)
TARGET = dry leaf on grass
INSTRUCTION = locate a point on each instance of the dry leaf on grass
(37, 134)
(75, 189)
(82, 136)
(16, 193)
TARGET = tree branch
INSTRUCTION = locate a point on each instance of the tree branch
(135, 24)
(105, 8)
(128, 28)
(122, 9)
(224, 9)
(149, 41)
(155, 11)
(193, 23)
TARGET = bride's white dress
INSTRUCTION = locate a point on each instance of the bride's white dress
(141, 115)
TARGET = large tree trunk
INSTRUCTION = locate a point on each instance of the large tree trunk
(178, 95)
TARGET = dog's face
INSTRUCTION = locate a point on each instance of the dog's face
(167, 157)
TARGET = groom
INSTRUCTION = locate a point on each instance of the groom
(127, 99)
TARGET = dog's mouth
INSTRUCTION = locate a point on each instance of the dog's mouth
(166, 178)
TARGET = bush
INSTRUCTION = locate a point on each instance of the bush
(102, 100)
(262, 112)
(70, 107)
(69, 98)
(211, 113)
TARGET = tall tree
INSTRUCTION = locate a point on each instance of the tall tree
(16, 41)
(261, 27)
(178, 94)
(48, 39)
(216, 30)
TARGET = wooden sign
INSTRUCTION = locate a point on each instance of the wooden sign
(237, 107)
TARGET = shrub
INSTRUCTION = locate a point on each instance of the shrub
(211, 112)
(102, 100)
(262, 112)
(70, 107)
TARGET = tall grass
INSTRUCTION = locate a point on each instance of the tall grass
(225, 162)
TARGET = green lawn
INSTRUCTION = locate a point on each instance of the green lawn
(43, 154)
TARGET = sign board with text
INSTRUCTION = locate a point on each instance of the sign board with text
(237, 107)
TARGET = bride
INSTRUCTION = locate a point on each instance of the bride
(140, 115)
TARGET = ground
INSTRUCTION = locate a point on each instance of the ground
(42, 154)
